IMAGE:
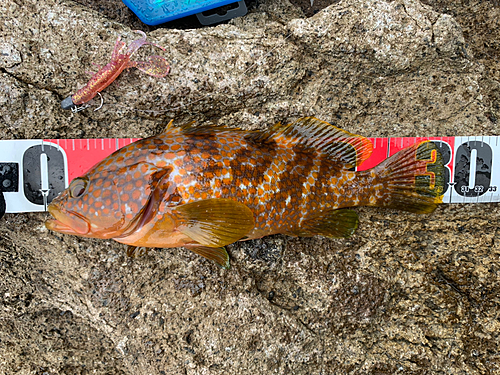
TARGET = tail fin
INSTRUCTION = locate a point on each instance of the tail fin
(413, 179)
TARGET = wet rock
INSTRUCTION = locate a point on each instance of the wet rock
(406, 294)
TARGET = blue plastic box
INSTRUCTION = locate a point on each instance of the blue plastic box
(155, 12)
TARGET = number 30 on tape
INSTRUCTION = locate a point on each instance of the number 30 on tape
(472, 167)
(33, 172)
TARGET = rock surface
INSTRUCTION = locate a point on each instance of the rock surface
(406, 294)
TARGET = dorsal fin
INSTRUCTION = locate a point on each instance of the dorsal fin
(309, 132)
(169, 126)
(206, 129)
(171, 129)
(189, 128)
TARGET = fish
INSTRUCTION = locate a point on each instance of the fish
(205, 187)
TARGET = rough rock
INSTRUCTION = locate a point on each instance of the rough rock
(406, 294)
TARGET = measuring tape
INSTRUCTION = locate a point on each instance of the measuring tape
(33, 172)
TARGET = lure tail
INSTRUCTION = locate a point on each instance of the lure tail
(412, 179)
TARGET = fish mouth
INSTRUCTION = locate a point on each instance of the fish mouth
(66, 221)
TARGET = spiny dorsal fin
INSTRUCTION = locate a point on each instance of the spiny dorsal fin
(171, 129)
(206, 129)
(169, 126)
(309, 132)
(190, 128)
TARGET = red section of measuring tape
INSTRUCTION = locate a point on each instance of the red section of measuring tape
(385, 147)
(83, 154)
(378, 155)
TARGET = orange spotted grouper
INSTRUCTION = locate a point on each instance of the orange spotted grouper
(206, 187)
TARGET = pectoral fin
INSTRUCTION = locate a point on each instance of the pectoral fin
(214, 222)
(217, 254)
(333, 224)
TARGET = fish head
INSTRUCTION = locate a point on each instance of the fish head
(113, 200)
(80, 211)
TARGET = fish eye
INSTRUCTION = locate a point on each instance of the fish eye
(77, 187)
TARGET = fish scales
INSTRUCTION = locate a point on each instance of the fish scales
(202, 187)
(270, 180)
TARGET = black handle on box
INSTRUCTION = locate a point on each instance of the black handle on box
(239, 11)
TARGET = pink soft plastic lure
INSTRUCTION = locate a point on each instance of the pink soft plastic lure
(156, 66)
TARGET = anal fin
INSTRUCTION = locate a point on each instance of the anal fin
(334, 224)
(217, 254)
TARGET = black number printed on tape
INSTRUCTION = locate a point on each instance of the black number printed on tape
(482, 175)
(445, 150)
(32, 172)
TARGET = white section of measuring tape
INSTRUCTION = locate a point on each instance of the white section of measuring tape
(483, 183)
(17, 152)
(13, 151)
